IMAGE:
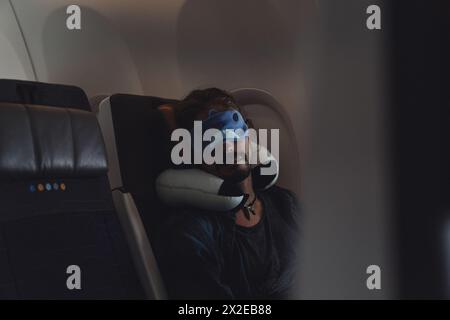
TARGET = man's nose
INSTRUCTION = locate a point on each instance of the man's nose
(229, 146)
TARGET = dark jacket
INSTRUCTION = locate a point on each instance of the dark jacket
(205, 255)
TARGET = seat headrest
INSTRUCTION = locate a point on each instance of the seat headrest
(135, 133)
(30, 92)
(40, 141)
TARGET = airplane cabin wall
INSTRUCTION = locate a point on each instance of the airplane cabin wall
(14, 59)
(96, 58)
(348, 219)
(167, 48)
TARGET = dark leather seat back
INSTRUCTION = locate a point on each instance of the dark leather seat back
(56, 207)
(141, 141)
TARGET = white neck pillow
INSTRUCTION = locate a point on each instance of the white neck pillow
(196, 188)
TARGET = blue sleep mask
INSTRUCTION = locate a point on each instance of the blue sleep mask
(229, 123)
(226, 121)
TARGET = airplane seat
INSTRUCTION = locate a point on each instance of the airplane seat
(96, 100)
(136, 138)
(60, 237)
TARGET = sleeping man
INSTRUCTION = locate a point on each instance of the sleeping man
(249, 252)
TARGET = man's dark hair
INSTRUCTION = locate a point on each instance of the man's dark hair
(188, 109)
(210, 95)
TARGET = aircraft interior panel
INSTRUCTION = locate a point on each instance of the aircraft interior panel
(14, 59)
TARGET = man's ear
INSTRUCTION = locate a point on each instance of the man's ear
(168, 113)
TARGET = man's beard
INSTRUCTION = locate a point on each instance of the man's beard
(234, 172)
